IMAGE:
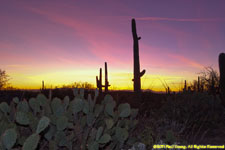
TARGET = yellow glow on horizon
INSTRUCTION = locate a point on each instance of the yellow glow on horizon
(117, 80)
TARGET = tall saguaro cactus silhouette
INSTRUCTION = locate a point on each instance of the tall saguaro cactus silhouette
(106, 78)
(99, 81)
(137, 73)
(222, 75)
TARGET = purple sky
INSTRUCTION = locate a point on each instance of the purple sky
(68, 41)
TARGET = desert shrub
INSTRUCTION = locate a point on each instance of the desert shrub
(147, 137)
(190, 115)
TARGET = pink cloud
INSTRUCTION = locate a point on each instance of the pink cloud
(181, 19)
(6, 46)
(110, 50)
(202, 40)
(186, 61)
(8, 55)
(160, 58)
(103, 42)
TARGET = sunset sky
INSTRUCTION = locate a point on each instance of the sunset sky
(62, 42)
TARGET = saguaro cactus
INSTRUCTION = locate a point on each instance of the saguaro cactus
(43, 85)
(106, 78)
(99, 81)
(168, 90)
(198, 84)
(185, 86)
(222, 75)
(137, 73)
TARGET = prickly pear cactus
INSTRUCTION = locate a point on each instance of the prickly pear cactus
(76, 105)
(9, 138)
(31, 142)
(43, 123)
(22, 118)
(124, 110)
(23, 106)
(61, 123)
(104, 139)
(16, 100)
(54, 124)
(66, 102)
(4, 107)
(57, 107)
(35, 105)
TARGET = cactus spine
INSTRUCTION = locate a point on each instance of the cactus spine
(99, 81)
(137, 73)
(222, 75)
(106, 78)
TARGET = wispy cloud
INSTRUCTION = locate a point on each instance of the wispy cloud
(18, 66)
(6, 46)
(93, 34)
(186, 61)
(181, 19)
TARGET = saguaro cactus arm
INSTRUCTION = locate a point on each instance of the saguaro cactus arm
(142, 73)
(99, 81)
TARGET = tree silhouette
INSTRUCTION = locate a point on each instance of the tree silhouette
(4, 78)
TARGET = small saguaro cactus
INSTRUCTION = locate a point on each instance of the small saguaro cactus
(198, 84)
(43, 85)
(222, 75)
(99, 81)
(106, 78)
(137, 73)
(185, 86)
(168, 90)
